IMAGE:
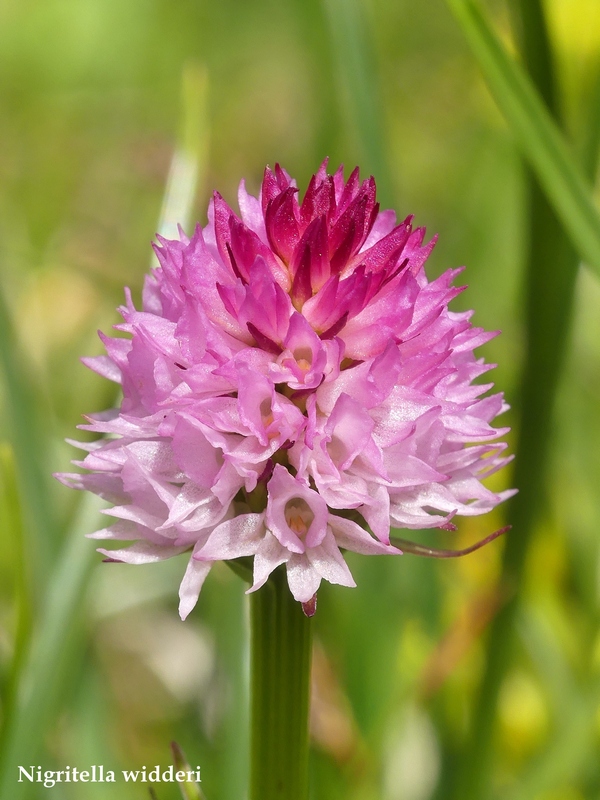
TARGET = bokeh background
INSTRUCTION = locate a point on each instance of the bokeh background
(446, 680)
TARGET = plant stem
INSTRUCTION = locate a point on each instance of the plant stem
(280, 673)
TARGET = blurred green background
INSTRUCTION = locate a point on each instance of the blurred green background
(474, 678)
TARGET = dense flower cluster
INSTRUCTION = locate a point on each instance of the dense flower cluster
(292, 373)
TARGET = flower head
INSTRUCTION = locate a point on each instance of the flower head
(293, 386)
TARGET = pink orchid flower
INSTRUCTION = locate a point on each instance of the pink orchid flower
(293, 387)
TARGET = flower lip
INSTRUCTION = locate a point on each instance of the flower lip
(296, 515)
(299, 516)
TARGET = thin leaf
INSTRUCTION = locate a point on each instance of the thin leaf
(28, 438)
(552, 266)
(189, 789)
(358, 86)
(573, 744)
(44, 674)
(537, 135)
(11, 522)
(189, 164)
(46, 666)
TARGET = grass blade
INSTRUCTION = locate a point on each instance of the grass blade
(537, 134)
(28, 440)
(58, 630)
(42, 677)
(358, 88)
(551, 271)
(189, 789)
(11, 522)
(187, 174)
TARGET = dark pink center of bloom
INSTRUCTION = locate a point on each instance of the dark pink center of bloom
(332, 254)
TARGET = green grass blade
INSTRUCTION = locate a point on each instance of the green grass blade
(551, 271)
(189, 789)
(590, 152)
(357, 80)
(11, 523)
(187, 174)
(58, 636)
(566, 756)
(572, 746)
(28, 438)
(531, 30)
(537, 135)
(44, 672)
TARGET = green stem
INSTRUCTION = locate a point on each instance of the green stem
(280, 673)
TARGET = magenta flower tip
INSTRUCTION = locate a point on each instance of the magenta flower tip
(293, 387)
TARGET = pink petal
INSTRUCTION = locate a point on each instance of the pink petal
(269, 555)
(234, 538)
(303, 578)
(329, 563)
(191, 585)
(142, 553)
(352, 537)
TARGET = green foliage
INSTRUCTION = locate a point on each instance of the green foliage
(95, 666)
(537, 134)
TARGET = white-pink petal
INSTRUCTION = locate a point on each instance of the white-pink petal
(269, 555)
(233, 538)
(191, 585)
(142, 553)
